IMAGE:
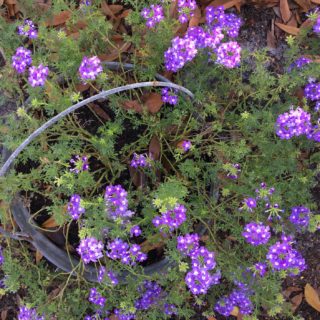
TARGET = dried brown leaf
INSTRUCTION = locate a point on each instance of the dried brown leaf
(58, 19)
(304, 4)
(235, 312)
(312, 297)
(50, 223)
(287, 292)
(285, 11)
(39, 256)
(288, 29)
(296, 301)
(1, 2)
(315, 1)
(154, 148)
(82, 87)
(115, 53)
(226, 3)
(153, 102)
(107, 10)
(195, 19)
(99, 111)
(4, 313)
(133, 105)
(138, 177)
(115, 8)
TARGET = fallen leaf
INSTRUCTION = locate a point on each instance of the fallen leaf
(153, 101)
(296, 301)
(1, 2)
(82, 87)
(138, 177)
(154, 148)
(235, 311)
(285, 10)
(271, 39)
(211, 318)
(288, 29)
(312, 297)
(58, 19)
(39, 256)
(115, 8)
(288, 291)
(304, 4)
(107, 10)
(115, 53)
(132, 105)
(226, 3)
(195, 19)
(4, 313)
(315, 1)
(99, 111)
(50, 223)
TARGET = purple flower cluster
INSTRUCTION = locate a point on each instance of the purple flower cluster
(260, 268)
(205, 39)
(171, 219)
(300, 216)
(139, 160)
(229, 54)
(316, 26)
(38, 75)
(90, 249)
(79, 164)
(314, 133)
(21, 60)
(28, 29)
(264, 193)
(74, 207)
(199, 281)
(188, 243)
(118, 249)
(169, 96)
(282, 256)
(1, 257)
(90, 68)
(111, 277)
(150, 293)
(185, 9)
(249, 204)
(135, 231)
(237, 298)
(182, 50)
(96, 298)
(122, 315)
(256, 233)
(202, 258)
(299, 63)
(117, 202)
(234, 174)
(186, 145)
(28, 314)
(153, 15)
(293, 123)
(229, 22)
(312, 91)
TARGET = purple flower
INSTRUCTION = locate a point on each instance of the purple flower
(299, 63)
(264, 193)
(283, 257)
(256, 233)
(240, 299)
(90, 249)
(150, 295)
(28, 314)
(170, 309)
(96, 298)
(186, 145)
(21, 60)
(202, 258)
(185, 8)
(215, 15)
(249, 204)
(171, 219)
(135, 231)
(231, 25)
(38, 75)
(169, 96)
(300, 216)
(293, 123)
(224, 306)
(316, 26)
(260, 268)
(229, 54)
(90, 68)
(122, 315)
(117, 202)
(109, 276)
(314, 133)
(182, 50)
(153, 15)
(188, 243)
(79, 164)
(312, 91)
(128, 255)
(28, 29)
(198, 281)
(139, 160)
(236, 170)
(74, 207)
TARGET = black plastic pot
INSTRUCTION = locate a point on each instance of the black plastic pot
(48, 249)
